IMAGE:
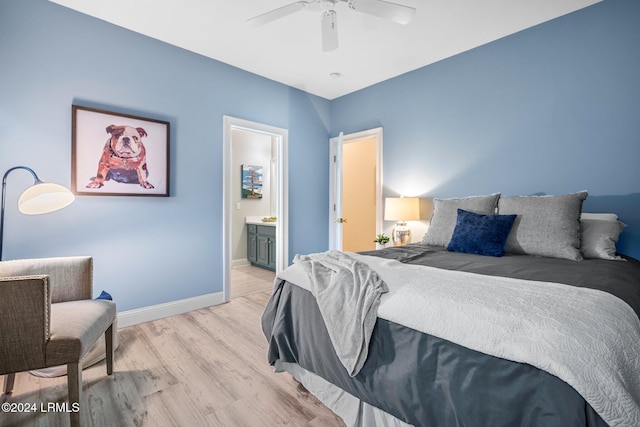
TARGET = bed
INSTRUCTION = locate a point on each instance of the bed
(546, 332)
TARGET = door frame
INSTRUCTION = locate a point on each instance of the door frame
(282, 207)
(335, 181)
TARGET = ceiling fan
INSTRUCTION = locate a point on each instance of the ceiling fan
(329, 23)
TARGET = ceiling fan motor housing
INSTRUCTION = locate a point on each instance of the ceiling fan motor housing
(321, 5)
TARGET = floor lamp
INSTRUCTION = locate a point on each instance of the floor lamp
(40, 198)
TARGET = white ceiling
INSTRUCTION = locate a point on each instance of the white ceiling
(289, 50)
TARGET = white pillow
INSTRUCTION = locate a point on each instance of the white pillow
(600, 216)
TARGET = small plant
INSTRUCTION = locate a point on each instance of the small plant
(381, 239)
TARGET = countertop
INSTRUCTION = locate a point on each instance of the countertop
(257, 220)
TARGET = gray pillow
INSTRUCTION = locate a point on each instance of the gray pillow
(545, 225)
(445, 215)
(599, 238)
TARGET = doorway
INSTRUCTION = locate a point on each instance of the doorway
(248, 136)
(356, 190)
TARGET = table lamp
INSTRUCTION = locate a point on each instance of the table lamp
(40, 198)
(401, 209)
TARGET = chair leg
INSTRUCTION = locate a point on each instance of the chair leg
(9, 380)
(74, 380)
(108, 341)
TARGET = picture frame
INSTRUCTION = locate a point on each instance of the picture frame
(252, 182)
(116, 154)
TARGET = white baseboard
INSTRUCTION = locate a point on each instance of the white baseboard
(239, 262)
(159, 311)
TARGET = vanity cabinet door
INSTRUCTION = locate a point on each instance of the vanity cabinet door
(261, 246)
(272, 253)
(263, 250)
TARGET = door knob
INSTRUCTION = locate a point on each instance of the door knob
(341, 220)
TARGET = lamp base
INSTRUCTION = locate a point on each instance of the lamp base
(401, 234)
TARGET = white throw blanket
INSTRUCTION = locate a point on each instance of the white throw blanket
(348, 294)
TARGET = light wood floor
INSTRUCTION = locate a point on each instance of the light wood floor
(248, 279)
(203, 368)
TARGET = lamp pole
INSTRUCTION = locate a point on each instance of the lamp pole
(4, 192)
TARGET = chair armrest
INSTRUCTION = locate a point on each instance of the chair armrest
(70, 278)
(24, 330)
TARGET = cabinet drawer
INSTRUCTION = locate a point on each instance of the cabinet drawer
(266, 230)
(252, 228)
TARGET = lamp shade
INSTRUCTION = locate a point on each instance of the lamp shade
(44, 197)
(402, 209)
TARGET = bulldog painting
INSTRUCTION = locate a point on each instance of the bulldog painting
(123, 159)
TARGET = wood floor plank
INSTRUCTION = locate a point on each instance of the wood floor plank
(203, 368)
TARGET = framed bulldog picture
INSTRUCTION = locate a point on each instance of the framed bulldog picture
(116, 154)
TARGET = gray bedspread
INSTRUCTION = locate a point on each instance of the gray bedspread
(427, 381)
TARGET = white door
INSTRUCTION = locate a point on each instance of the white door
(335, 193)
(355, 214)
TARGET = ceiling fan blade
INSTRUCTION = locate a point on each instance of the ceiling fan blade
(329, 26)
(278, 13)
(384, 9)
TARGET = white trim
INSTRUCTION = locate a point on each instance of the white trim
(240, 263)
(160, 311)
(335, 191)
(282, 210)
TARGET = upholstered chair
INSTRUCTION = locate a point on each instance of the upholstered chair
(48, 318)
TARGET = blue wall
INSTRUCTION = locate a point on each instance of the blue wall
(147, 250)
(552, 109)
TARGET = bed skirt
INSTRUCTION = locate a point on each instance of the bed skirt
(353, 411)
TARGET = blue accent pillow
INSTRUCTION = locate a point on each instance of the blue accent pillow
(104, 295)
(480, 234)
